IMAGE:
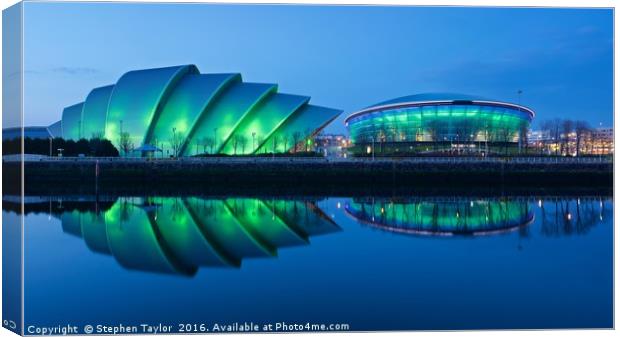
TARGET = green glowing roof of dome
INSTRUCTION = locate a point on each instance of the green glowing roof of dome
(431, 97)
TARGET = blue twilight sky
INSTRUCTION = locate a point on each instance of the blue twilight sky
(343, 57)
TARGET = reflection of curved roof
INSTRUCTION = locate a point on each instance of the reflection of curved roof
(179, 108)
(437, 98)
(178, 235)
(442, 217)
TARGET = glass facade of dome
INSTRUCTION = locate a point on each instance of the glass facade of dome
(430, 119)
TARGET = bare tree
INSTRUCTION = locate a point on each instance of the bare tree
(235, 143)
(553, 127)
(243, 142)
(308, 139)
(582, 129)
(208, 142)
(259, 142)
(523, 130)
(274, 142)
(97, 135)
(296, 139)
(285, 140)
(175, 143)
(567, 128)
(125, 143)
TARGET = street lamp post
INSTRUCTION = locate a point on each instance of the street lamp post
(519, 92)
(174, 142)
(373, 147)
(50, 138)
(540, 143)
(120, 138)
(486, 142)
(214, 140)
(253, 141)
(458, 139)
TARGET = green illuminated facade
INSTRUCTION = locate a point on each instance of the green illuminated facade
(434, 122)
(185, 113)
(179, 235)
(448, 216)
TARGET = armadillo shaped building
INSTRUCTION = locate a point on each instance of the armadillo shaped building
(186, 113)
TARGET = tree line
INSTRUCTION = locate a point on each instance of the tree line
(95, 147)
(568, 136)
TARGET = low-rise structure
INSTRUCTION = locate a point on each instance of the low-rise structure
(599, 141)
(332, 145)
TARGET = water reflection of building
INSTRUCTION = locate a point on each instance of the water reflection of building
(179, 235)
(442, 216)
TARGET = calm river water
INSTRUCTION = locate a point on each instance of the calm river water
(433, 262)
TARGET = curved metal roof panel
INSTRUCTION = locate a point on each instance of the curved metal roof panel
(95, 112)
(187, 103)
(72, 121)
(137, 98)
(307, 120)
(179, 109)
(262, 121)
(435, 99)
(226, 113)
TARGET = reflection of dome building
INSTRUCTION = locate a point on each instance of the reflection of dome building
(438, 122)
(178, 235)
(182, 111)
(442, 216)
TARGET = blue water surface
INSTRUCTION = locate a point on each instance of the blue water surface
(549, 267)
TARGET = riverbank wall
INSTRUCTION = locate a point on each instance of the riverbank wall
(303, 173)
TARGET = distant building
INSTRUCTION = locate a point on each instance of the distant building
(603, 141)
(331, 145)
(599, 141)
(32, 132)
(603, 133)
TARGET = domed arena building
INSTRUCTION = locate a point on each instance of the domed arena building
(179, 112)
(439, 123)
